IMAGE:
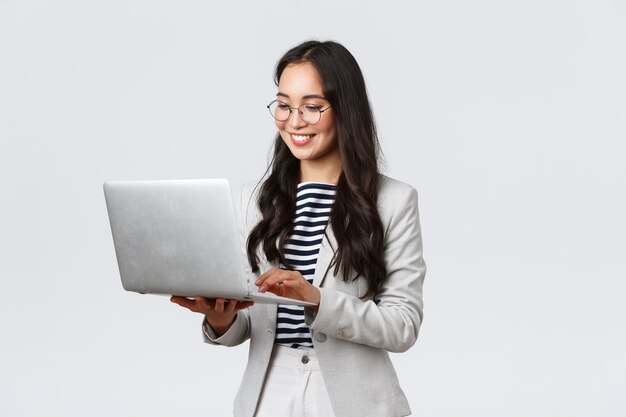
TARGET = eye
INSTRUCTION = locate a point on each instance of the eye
(282, 106)
(311, 108)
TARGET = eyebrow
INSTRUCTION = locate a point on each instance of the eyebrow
(306, 96)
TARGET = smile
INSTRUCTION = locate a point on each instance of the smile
(301, 140)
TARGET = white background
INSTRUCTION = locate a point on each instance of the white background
(509, 117)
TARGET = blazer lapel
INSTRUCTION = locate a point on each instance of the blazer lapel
(325, 256)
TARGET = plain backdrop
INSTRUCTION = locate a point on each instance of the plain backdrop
(509, 117)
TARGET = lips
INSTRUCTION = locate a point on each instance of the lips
(301, 140)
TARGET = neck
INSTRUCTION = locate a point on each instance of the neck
(321, 171)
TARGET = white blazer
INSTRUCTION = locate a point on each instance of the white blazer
(351, 336)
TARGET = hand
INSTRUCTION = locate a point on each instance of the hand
(219, 313)
(289, 284)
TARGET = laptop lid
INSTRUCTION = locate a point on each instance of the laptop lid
(176, 237)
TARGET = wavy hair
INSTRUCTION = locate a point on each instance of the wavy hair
(354, 217)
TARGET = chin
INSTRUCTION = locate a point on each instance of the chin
(302, 156)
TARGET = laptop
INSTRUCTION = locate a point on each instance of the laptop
(180, 237)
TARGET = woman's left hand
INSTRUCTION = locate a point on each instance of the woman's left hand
(290, 284)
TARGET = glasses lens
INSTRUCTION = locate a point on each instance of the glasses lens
(279, 110)
(310, 113)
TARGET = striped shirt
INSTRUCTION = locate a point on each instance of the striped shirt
(313, 205)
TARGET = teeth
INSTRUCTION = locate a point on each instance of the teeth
(301, 138)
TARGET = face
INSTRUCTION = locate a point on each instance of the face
(310, 143)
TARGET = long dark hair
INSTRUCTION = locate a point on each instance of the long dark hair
(354, 217)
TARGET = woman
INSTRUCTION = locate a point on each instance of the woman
(327, 228)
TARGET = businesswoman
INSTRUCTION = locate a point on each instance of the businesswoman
(326, 227)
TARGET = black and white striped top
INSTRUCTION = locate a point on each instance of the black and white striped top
(313, 204)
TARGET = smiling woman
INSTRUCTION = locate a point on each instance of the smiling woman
(326, 227)
(310, 132)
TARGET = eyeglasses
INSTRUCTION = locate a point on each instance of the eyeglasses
(309, 113)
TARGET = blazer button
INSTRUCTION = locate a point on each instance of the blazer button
(320, 337)
(340, 333)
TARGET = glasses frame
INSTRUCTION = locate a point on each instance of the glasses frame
(321, 110)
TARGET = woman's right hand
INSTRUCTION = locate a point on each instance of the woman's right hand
(220, 314)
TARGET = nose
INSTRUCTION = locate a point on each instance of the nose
(295, 120)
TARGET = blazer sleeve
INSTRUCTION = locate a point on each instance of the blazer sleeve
(239, 331)
(391, 320)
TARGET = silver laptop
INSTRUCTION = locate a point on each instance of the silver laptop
(180, 237)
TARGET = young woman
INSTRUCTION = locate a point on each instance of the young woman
(326, 227)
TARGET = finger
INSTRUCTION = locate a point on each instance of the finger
(244, 304)
(204, 304)
(269, 273)
(230, 306)
(184, 302)
(274, 279)
(279, 288)
(264, 276)
(219, 305)
(276, 289)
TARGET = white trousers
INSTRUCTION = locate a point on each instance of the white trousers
(294, 386)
